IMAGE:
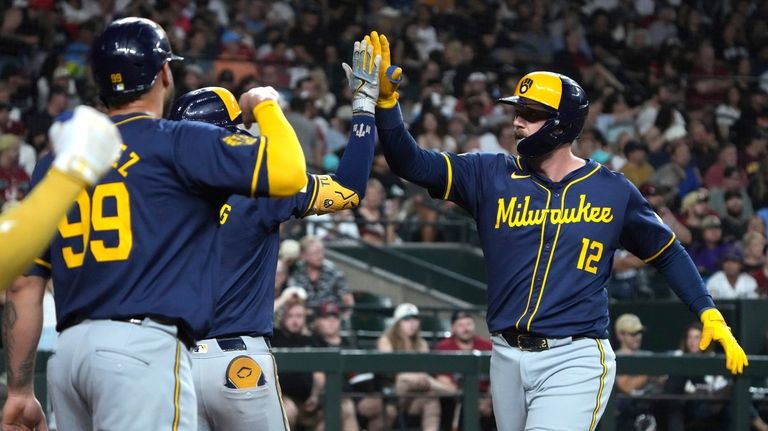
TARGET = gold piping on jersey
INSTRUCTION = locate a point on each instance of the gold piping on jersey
(666, 246)
(517, 162)
(602, 385)
(176, 388)
(128, 120)
(449, 174)
(538, 257)
(257, 168)
(41, 262)
(314, 195)
(554, 243)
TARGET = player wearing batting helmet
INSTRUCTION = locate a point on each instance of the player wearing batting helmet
(132, 262)
(549, 224)
(234, 361)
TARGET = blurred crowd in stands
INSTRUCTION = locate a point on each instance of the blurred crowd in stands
(678, 95)
(678, 100)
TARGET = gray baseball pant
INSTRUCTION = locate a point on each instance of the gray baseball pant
(564, 388)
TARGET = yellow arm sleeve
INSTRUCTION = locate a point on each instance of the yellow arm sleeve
(286, 168)
(27, 229)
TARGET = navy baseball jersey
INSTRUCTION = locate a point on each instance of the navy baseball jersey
(248, 240)
(249, 236)
(548, 246)
(136, 242)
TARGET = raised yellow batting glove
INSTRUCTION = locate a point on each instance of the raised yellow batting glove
(389, 75)
(714, 328)
(86, 143)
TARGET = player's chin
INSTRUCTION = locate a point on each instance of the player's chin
(519, 135)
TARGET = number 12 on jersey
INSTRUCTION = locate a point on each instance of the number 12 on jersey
(92, 214)
(591, 252)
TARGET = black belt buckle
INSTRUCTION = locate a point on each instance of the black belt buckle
(529, 343)
(231, 344)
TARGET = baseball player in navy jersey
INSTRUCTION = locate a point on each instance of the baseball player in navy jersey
(133, 261)
(87, 143)
(234, 371)
(549, 223)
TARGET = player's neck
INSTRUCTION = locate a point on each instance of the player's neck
(150, 103)
(557, 164)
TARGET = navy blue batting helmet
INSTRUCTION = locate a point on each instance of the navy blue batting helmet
(555, 98)
(213, 105)
(127, 56)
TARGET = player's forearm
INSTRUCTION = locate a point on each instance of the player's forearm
(681, 274)
(355, 165)
(286, 167)
(405, 158)
(22, 323)
(28, 228)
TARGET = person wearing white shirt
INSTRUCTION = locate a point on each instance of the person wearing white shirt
(731, 282)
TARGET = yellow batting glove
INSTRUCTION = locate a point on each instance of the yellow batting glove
(389, 75)
(714, 328)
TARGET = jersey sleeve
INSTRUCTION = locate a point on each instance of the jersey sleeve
(644, 234)
(464, 178)
(209, 158)
(446, 176)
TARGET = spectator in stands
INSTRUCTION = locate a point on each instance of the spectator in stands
(307, 37)
(732, 182)
(327, 333)
(431, 133)
(421, 220)
(289, 253)
(734, 222)
(727, 113)
(629, 332)
(464, 339)
(281, 276)
(754, 251)
(14, 181)
(625, 282)
(319, 276)
(373, 220)
(708, 254)
(637, 169)
(39, 122)
(680, 174)
(728, 157)
(694, 208)
(709, 80)
(656, 195)
(301, 391)
(418, 389)
(704, 145)
(731, 282)
(696, 412)
(307, 131)
(288, 296)
(761, 278)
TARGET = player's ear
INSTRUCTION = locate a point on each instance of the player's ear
(165, 75)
